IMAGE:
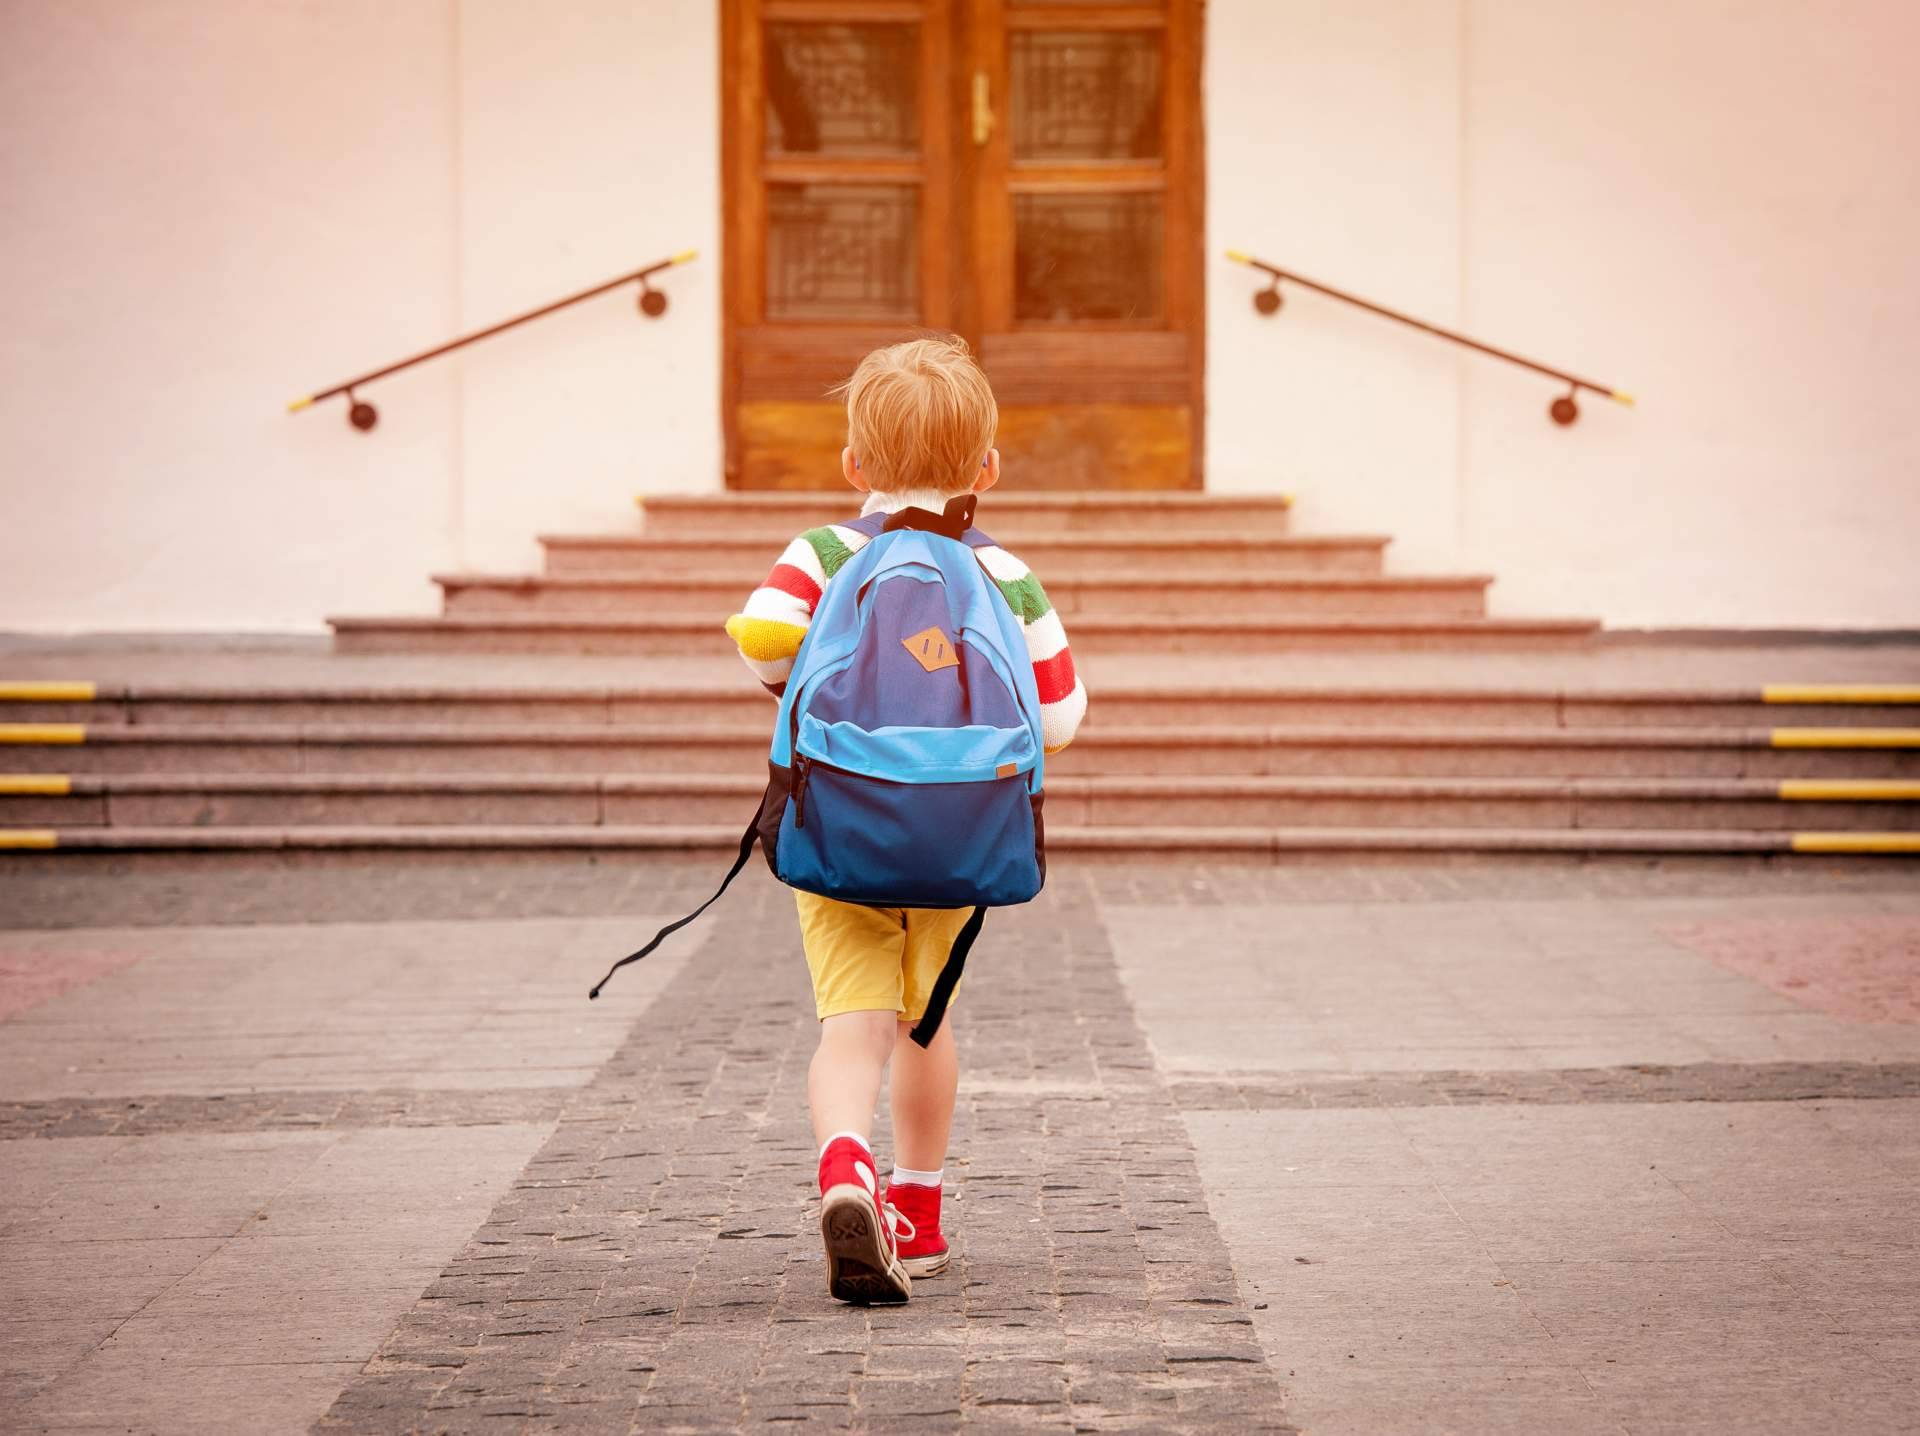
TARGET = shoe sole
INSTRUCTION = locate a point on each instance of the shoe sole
(918, 1267)
(860, 1269)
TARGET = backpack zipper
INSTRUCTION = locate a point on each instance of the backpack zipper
(800, 766)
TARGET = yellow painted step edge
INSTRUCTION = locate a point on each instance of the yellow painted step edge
(1856, 843)
(1846, 737)
(1839, 693)
(47, 692)
(35, 785)
(1850, 790)
(43, 732)
(38, 838)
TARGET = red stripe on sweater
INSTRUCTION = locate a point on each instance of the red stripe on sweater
(789, 579)
(1054, 676)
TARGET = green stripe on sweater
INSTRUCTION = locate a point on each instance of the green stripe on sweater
(828, 549)
(1025, 597)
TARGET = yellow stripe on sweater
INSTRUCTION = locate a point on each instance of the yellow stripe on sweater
(43, 732)
(47, 692)
(765, 640)
(1856, 842)
(1846, 737)
(1839, 693)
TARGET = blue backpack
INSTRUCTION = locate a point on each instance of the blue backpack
(907, 760)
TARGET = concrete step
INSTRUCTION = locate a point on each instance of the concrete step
(735, 699)
(1090, 634)
(668, 800)
(1054, 558)
(1303, 751)
(703, 595)
(1012, 518)
(1242, 844)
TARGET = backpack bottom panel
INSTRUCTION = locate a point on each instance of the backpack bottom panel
(871, 840)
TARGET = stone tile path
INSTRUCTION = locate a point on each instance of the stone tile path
(1343, 1149)
(1514, 1166)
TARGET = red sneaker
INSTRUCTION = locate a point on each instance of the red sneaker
(923, 1252)
(863, 1258)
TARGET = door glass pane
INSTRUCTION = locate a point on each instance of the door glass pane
(1086, 94)
(843, 251)
(1087, 256)
(843, 89)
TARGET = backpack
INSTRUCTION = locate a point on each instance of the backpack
(907, 762)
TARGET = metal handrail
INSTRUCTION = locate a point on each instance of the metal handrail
(1563, 410)
(363, 416)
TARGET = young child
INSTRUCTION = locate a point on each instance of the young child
(920, 430)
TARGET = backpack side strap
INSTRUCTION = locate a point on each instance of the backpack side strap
(949, 978)
(747, 840)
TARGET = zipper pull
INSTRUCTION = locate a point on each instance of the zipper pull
(799, 791)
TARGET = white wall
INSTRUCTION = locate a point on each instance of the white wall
(210, 208)
(1712, 204)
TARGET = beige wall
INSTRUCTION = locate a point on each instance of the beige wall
(1711, 204)
(213, 206)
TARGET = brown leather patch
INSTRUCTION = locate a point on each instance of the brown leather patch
(1006, 770)
(931, 650)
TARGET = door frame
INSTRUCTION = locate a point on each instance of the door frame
(952, 220)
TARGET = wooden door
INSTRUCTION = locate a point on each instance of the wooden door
(1025, 174)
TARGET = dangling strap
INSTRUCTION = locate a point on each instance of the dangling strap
(747, 841)
(949, 978)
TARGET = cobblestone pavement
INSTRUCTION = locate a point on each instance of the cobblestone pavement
(1376, 1148)
(75, 890)
(657, 1267)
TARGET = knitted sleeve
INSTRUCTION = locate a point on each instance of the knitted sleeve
(769, 629)
(1063, 698)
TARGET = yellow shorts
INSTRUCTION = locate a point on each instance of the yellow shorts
(867, 959)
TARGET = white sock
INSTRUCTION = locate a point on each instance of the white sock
(911, 1178)
(838, 1135)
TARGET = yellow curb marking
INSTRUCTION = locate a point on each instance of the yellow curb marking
(51, 692)
(1851, 789)
(1856, 842)
(1839, 693)
(28, 838)
(43, 732)
(1846, 737)
(35, 785)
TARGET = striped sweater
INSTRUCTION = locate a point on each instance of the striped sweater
(769, 629)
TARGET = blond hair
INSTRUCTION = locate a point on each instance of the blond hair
(920, 415)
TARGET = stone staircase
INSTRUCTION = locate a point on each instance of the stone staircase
(1121, 569)
(1196, 743)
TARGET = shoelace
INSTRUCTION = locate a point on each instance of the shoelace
(897, 1219)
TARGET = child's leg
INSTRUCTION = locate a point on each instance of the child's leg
(843, 1083)
(925, 1081)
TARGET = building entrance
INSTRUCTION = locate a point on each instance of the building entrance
(1028, 175)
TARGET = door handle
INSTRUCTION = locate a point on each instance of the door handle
(982, 108)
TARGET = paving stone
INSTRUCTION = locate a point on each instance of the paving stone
(678, 1219)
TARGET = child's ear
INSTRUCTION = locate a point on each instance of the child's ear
(850, 466)
(989, 472)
